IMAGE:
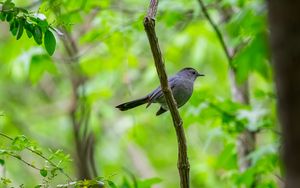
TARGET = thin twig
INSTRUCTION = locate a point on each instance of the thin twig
(183, 163)
(25, 162)
(40, 155)
(218, 32)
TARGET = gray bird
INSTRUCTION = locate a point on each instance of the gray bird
(181, 84)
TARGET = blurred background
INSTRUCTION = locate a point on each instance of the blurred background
(67, 101)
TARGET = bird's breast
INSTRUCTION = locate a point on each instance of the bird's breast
(182, 91)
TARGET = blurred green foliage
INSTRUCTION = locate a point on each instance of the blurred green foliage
(135, 148)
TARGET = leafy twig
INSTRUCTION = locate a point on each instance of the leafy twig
(183, 163)
(40, 155)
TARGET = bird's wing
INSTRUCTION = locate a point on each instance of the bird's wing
(157, 93)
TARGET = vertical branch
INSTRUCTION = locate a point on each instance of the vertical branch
(79, 114)
(183, 163)
(79, 110)
(240, 93)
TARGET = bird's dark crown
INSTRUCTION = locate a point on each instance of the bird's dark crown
(188, 68)
(190, 72)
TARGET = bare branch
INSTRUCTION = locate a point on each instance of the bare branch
(218, 32)
(183, 163)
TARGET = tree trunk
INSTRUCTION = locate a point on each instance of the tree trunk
(285, 45)
(246, 140)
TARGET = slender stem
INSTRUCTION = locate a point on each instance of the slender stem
(20, 159)
(183, 162)
(218, 32)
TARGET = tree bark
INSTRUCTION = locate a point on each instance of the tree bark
(285, 45)
(247, 139)
(79, 112)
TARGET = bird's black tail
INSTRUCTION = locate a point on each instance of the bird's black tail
(132, 104)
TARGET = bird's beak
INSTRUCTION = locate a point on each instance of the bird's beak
(198, 74)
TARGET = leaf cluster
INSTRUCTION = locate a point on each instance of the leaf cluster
(21, 20)
(52, 164)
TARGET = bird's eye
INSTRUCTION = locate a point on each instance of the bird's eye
(194, 72)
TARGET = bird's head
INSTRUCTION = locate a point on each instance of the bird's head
(189, 73)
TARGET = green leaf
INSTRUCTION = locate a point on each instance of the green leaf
(246, 177)
(245, 23)
(23, 10)
(9, 16)
(38, 66)
(148, 183)
(2, 162)
(13, 27)
(111, 184)
(43, 172)
(20, 142)
(54, 172)
(43, 24)
(29, 29)
(254, 57)
(29, 34)
(40, 20)
(49, 42)
(125, 183)
(263, 152)
(227, 158)
(8, 5)
(37, 34)
(5, 181)
(2, 16)
(20, 29)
